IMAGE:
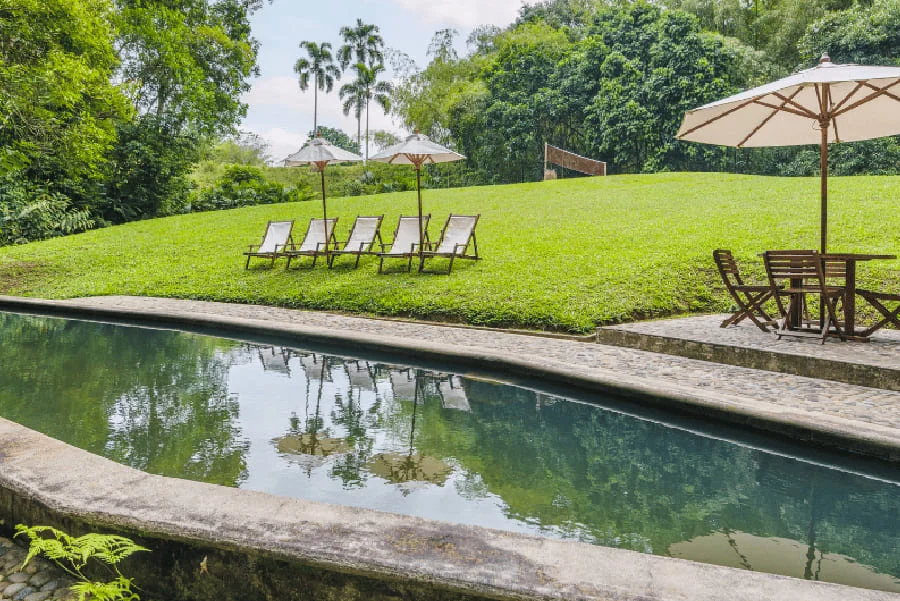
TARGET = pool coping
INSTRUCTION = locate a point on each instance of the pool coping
(465, 560)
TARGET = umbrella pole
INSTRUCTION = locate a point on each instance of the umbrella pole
(324, 214)
(421, 219)
(824, 169)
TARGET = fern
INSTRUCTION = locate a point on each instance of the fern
(73, 554)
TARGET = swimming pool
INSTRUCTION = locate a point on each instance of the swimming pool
(424, 442)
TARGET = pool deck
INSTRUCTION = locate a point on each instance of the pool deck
(471, 562)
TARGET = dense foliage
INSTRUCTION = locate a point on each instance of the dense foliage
(612, 80)
(104, 106)
(243, 186)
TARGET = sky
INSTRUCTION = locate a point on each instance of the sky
(282, 114)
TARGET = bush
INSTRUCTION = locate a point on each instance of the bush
(29, 212)
(244, 185)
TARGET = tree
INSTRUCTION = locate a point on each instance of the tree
(363, 45)
(336, 137)
(321, 67)
(372, 89)
(58, 107)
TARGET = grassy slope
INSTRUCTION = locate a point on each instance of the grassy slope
(562, 255)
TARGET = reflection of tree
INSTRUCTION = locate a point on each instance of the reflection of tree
(357, 421)
(638, 484)
(155, 400)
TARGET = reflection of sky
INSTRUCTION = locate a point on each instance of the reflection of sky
(282, 396)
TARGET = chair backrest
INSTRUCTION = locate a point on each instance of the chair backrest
(728, 268)
(457, 233)
(363, 232)
(835, 270)
(407, 233)
(316, 235)
(792, 266)
(277, 235)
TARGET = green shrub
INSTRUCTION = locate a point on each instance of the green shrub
(242, 186)
(29, 212)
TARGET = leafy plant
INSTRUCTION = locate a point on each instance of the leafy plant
(73, 555)
(241, 186)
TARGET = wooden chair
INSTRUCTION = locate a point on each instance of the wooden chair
(275, 240)
(749, 298)
(361, 239)
(877, 300)
(457, 235)
(313, 244)
(793, 274)
(405, 244)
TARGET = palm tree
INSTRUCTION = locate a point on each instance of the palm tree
(363, 43)
(379, 91)
(354, 96)
(320, 65)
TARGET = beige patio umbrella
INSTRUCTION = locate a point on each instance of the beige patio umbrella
(321, 153)
(824, 104)
(417, 150)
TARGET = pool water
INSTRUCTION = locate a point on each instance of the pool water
(362, 432)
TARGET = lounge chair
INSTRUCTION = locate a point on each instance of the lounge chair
(362, 237)
(405, 243)
(313, 244)
(457, 235)
(749, 298)
(274, 242)
(795, 274)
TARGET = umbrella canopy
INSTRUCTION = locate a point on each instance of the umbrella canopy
(321, 153)
(417, 150)
(827, 103)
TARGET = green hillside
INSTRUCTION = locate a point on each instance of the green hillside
(562, 255)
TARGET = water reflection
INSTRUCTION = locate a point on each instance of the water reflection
(441, 446)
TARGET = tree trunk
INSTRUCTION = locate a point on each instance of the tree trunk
(366, 160)
(316, 108)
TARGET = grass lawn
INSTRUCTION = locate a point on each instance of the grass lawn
(561, 255)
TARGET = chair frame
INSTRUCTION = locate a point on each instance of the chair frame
(749, 298)
(432, 254)
(798, 268)
(293, 253)
(877, 300)
(365, 249)
(413, 252)
(274, 254)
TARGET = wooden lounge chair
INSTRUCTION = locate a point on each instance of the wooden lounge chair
(405, 243)
(274, 242)
(457, 235)
(877, 300)
(362, 238)
(749, 298)
(313, 244)
(793, 274)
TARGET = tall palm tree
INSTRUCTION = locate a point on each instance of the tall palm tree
(363, 45)
(379, 91)
(354, 96)
(321, 67)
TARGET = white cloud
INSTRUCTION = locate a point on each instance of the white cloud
(283, 114)
(463, 13)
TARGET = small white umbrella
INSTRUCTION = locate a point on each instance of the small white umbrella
(417, 150)
(321, 153)
(827, 103)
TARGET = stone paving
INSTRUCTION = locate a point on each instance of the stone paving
(883, 350)
(822, 400)
(38, 581)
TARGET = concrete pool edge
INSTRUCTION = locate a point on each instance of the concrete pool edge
(854, 436)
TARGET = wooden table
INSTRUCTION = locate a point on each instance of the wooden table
(850, 260)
